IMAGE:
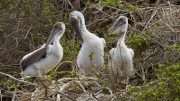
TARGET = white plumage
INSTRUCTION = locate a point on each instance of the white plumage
(91, 53)
(45, 58)
(121, 57)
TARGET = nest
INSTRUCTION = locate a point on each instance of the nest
(73, 89)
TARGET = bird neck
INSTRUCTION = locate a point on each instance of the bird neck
(50, 40)
(57, 37)
(122, 38)
(85, 34)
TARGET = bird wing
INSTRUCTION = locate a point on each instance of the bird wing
(104, 42)
(33, 57)
(132, 52)
(111, 52)
(111, 63)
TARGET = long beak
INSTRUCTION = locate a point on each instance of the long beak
(111, 29)
(53, 33)
(115, 26)
(76, 26)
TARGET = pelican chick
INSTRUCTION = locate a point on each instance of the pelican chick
(45, 58)
(121, 57)
(91, 53)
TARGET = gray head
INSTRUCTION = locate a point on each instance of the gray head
(120, 25)
(77, 22)
(58, 29)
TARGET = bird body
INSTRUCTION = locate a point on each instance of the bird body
(121, 60)
(45, 58)
(121, 57)
(91, 53)
(54, 56)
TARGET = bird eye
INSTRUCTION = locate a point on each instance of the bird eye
(120, 19)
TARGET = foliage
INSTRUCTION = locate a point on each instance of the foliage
(113, 3)
(70, 49)
(50, 75)
(137, 42)
(174, 47)
(10, 85)
(129, 8)
(166, 87)
(120, 5)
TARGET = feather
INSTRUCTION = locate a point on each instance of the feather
(32, 58)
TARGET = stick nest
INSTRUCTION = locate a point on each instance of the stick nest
(73, 89)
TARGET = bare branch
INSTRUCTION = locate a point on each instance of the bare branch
(22, 81)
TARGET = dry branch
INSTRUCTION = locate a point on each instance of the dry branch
(21, 81)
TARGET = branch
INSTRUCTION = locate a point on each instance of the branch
(22, 81)
(65, 95)
(152, 16)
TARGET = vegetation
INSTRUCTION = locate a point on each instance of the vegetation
(165, 87)
(26, 24)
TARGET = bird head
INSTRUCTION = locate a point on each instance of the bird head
(120, 25)
(76, 18)
(58, 28)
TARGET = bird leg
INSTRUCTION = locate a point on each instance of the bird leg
(42, 82)
(127, 82)
(44, 85)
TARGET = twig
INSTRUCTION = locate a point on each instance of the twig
(83, 78)
(58, 98)
(70, 3)
(14, 94)
(92, 95)
(168, 26)
(65, 95)
(27, 32)
(60, 91)
(0, 95)
(152, 16)
(149, 56)
(59, 65)
(22, 81)
(66, 85)
(63, 87)
(79, 83)
(15, 32)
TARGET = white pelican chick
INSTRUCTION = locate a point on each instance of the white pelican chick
(91, 54)
(45, 58)
(121, 57)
